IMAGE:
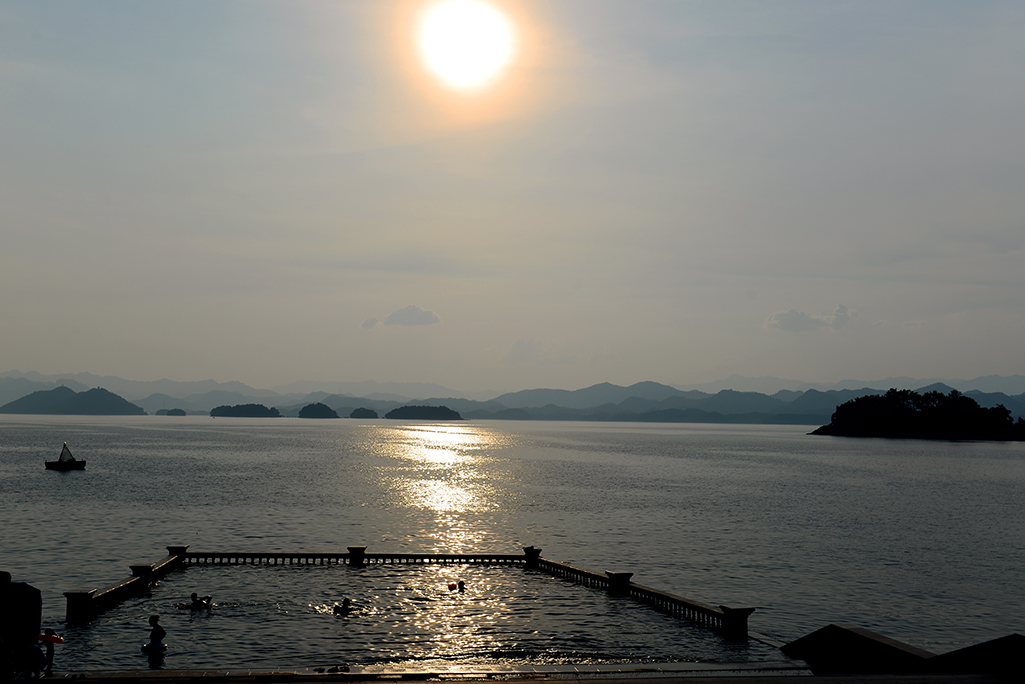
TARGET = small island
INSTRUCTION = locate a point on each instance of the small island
(423, 413)
(363, 413)
(317, 410)
(171, 412)
(244, 411)
(903, 414)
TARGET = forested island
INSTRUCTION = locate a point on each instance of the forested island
(244, 411)
(905, 414)
(363, 413)
(317, 410)
(423, 413)
(171, 412)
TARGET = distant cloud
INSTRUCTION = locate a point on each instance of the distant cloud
(370, 323)
(411, 315)
(794, 321)
(798, 321)
(841, 317)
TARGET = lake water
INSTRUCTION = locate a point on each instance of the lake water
(921, 541)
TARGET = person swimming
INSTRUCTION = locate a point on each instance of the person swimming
(343, 609)
(200, 603)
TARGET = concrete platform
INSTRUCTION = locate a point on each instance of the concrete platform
(656, 673)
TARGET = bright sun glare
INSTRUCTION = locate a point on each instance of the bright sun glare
(466, 44)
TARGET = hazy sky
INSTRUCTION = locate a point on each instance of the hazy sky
(671, 191)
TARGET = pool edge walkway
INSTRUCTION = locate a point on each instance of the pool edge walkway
(634, 673)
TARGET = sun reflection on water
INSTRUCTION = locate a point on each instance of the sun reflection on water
(439, 496)
(440, 468)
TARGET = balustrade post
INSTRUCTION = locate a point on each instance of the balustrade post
(357, 556)
(619, 582)
(734, 621)
(178, 551)
(80, 605)
(531, 557)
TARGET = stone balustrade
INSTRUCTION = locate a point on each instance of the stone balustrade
(83, 605)
(731, 621)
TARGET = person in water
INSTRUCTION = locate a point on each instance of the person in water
(462, 586)
(199, 603)
(156, 633)
(343, 609)
(49, 638)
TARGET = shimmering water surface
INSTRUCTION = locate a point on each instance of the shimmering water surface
(922, 541)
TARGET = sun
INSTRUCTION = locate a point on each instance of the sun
(465, 44)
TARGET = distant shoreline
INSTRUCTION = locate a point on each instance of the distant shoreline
(646, 402)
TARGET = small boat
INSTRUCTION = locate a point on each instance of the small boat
(66, 461)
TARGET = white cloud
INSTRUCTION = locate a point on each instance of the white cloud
(799, 321)
(841, 317)
(411, 315)
(794, 321)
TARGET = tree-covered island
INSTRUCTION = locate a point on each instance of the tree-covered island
(423, 413)
(245, 411)
(904, 414)
(317, 410)
(363, 413)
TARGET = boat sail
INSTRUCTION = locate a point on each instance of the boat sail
(66, 461)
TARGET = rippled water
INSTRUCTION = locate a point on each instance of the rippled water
(282, 616)
(921, 541)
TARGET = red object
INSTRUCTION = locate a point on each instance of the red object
(53, 639)
(452, 586)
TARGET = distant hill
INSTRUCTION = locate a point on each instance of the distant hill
(137, 388)
(1008, 384)
(730, 401)
(16, 388)
(399, 391)
(643, 401)
(231, 398)
(64, 401)
(154, 403)
(815, 401)
(1016, 405)
(595, 395)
